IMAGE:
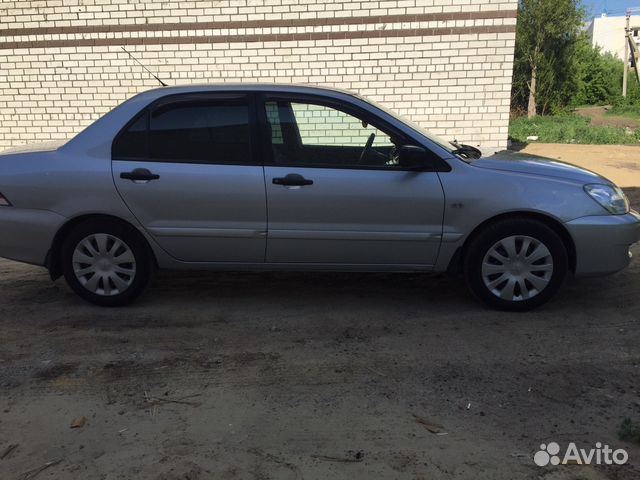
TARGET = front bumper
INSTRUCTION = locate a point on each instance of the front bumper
(602, 242)
(26, 235)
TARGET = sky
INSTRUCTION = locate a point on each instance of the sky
(612, 7)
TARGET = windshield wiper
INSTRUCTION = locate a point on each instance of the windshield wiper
(466, 151)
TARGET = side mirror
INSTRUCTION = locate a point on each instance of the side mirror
(413, 157)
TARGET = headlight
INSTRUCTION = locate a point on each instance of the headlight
(612, 198)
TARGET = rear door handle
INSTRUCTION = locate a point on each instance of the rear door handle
(139, 174)
(292, 180)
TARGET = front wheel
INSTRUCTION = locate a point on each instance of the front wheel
(106, 263)
(516, 265)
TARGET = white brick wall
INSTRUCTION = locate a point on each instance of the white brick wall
(446, 64)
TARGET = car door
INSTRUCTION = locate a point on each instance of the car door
(333, 201)
(187, 170)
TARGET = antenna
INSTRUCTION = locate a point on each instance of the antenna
(149, 71)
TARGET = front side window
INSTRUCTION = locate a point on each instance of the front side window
(308, 134)
(190, 130)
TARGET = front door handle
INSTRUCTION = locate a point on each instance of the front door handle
(139, 174)
(292, 180)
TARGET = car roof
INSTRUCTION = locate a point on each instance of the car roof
(250, 87)
(113, 121)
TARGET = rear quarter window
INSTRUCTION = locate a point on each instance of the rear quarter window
(132, 142)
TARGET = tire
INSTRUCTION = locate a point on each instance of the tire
(106, 263)
(515, 265)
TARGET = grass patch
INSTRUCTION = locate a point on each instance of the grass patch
(629, 431)
(569, 129)
(625, 110)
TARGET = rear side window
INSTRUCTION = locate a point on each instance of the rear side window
(190, 130)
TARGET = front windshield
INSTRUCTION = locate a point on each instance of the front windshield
(434, 138)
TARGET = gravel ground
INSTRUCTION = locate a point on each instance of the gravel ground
(314, 376)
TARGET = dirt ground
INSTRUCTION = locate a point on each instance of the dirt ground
(618, 163)
(600, 118)
(312, 376)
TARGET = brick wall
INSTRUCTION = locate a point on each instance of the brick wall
(446, 64)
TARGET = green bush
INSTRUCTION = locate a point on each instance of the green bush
(629, 106)
(625, 109)
(568, 129)
(597, 76)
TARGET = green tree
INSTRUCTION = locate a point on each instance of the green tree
(597, 77)
(546, 33)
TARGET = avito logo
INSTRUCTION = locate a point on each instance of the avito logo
(549, 454)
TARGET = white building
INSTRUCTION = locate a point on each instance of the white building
(446, 64)
(608, 33)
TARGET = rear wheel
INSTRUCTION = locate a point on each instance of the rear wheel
(106, 263)
(516, 264)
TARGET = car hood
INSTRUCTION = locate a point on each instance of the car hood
(534, 165)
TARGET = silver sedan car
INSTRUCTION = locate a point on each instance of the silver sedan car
(275, 177)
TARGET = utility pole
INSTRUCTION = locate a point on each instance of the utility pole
(625, 75)
(629, 43)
